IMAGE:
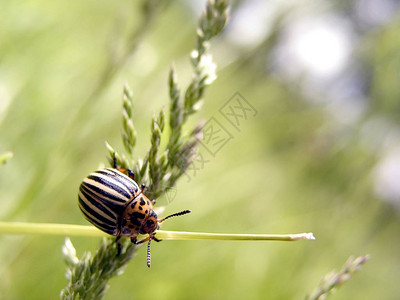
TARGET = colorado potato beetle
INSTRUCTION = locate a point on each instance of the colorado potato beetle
(115, 204)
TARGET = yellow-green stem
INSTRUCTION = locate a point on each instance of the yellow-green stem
(80, 230)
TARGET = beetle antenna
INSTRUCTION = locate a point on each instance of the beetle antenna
(148, 253)
(184, 212)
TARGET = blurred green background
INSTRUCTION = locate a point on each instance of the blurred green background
(321, 153)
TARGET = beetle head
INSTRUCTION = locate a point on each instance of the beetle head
(151, 223)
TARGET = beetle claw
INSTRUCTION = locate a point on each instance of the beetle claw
(156, 239)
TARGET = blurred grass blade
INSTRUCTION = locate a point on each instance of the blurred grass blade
(334, 279)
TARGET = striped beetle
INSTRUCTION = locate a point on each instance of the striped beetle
(115, 204)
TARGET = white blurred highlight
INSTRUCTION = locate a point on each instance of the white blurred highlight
(315, 46)
(387, 178)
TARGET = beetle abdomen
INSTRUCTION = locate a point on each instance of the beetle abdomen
(102, 198)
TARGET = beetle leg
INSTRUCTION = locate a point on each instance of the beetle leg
(114, 161)
(130, 174)
(122, 170)
(134, 240)
(119, 246)
(156, 239)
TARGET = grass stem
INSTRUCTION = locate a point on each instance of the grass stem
(81, 230)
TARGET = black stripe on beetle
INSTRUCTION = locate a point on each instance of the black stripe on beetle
(97, 209)
(127, 182)
(109, 207)
(105, 194)
(105, 185)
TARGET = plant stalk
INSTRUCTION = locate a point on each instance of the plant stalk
(81, 230)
